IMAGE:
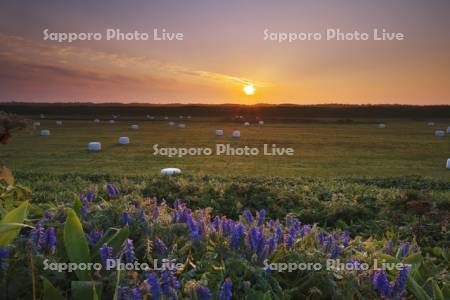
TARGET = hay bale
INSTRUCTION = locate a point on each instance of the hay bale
(36, 124)
(381, 125)
(59, 123)
(95, 146)
(181, 117)
(135, 127)
(45, 132)
(42, 116)
(150, 117)
(182, 125)
(236, 134)
(246, 124)
(430, 123)
(96, 121)
(219, 132)
(439, 133)
(261, 123)
(124, 140)
(112, 121)
(448, 129)
(171, 123)
(448, 163)
(189, 117)
(170, 171)
(166, 118)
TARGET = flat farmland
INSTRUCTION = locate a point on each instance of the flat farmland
(323, 149)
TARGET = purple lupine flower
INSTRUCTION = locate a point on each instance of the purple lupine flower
(39, 237)
(227, 226)
(51, 239)
(225, 290)
(85, 209)
(203, 293)
(142, 216)
(93, 237)
(155, 287)
(336, 252)
(237, 235)
(345, 238)
(129, 251)
(289, 220)
(105, 252)
(136, 294)
(112, 190)
(3, 256)
(155, 213)
(327, 244)
(193, 227)
(261, 217)
(173, 278)
(215, 224)
(160, 245)
(403, 250)
(248, 216)
(381, 283)
(166, 284)
(305, 229)
(90, 196)
(389, 249)
(126, 218)
(256, 241)
(400, 282)
(320, 237)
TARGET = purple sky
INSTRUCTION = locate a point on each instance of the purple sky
(223, 50)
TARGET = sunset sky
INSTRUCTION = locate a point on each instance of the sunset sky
(223, 50)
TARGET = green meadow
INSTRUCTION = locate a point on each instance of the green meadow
(323, 149)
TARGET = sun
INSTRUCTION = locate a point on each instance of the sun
(249, 89)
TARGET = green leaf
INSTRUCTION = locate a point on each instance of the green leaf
(16, 215)
(86, 290)
(118, 239)
(77, 248)
(6, 227)
(438, 295)
(415, 289)
(77, 205)
(50, 292)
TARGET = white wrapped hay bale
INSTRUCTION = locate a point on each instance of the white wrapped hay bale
(219, 132)
(170, 171)
(95, 146)
(45, 132)
(124, 140)
(236, 134)
(381, 125)
(182, 125)
(261, 123)
(42, 116)
(96, 121)
(171, 123)
(189, 117)
(150, 117)
(112, 121)
(430, 123)
(36, 124)
(448, 163)
(135, 127)
(246, 124)
(439, 133)
(166, 118)
(59, 123)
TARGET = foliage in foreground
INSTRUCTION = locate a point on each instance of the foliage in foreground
(220, 258)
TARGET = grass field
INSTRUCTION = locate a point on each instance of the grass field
(323, 149)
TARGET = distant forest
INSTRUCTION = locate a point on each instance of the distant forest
(227, 111)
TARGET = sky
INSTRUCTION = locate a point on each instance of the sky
(223, 49)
